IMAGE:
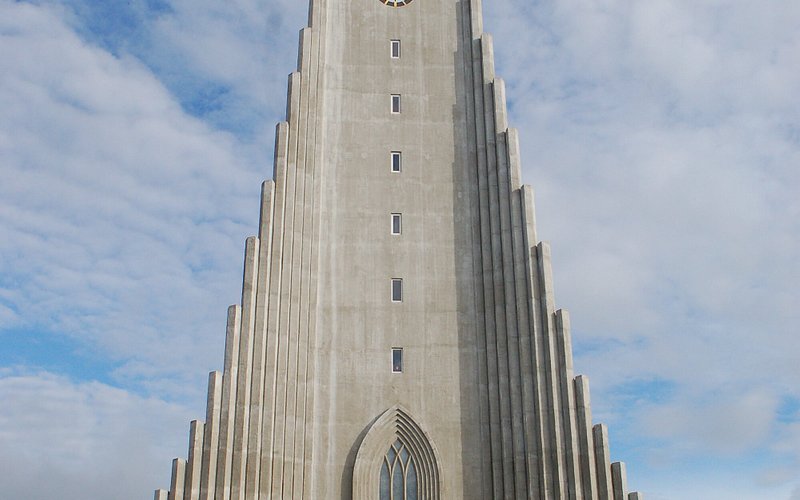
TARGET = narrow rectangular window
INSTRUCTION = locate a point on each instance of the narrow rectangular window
(397, 223)
(397, 290)
(397, 161)
(395, 103)
(397, 360)
(395, 49)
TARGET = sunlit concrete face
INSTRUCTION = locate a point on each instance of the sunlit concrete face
(360, 321)
(397, 309)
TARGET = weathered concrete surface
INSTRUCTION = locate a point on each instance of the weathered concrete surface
(487, 400)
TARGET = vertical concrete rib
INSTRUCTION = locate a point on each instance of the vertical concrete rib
(568, 412)
(547, 301)
(161, 495)
(498, 282)
(529, 219)
(273, 303)
(296, 271)
(514, 160)
(241, 426)
(619, 480)
(195, 462)
(487, 276)
(476, 246)
(588, 465)
(537, 326)
(602, 457)
(228, 411)
(310, 76)
(476, 18)
(523, 297)
(506, 197)
(305, 453)
(635, 496)
(295, 321)
(260, 340)
(283, 325)
(208, 468)
(176, 488)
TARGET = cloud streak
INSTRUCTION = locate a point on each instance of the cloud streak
(59, 439)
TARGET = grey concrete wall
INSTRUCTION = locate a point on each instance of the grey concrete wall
(358, 324)
(488, 383)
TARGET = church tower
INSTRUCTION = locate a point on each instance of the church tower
(397, 337)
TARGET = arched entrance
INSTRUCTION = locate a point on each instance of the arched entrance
(396, 461)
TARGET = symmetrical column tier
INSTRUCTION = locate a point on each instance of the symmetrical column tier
(537, 437)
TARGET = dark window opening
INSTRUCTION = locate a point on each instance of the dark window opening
(397, 290)
(397, 161)
(397, 223)
(397, 360)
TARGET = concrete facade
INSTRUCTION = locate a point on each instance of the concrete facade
(311, 402)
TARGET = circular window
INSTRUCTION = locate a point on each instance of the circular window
(396, 3)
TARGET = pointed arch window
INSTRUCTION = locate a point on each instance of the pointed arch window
(398, 479)
(396, 460)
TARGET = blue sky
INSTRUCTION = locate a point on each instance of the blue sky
(662, 138)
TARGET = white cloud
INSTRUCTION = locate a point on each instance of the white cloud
(232, 58)
(729, 425)
(121, 218)
(8, 318)
(60, 439)
(662, 140)
(122, 221)
(712, 487)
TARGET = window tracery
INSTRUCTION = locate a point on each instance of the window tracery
(398, 476)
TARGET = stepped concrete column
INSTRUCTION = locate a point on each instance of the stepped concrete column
(176, 488)
(619, 478)
(194, 464)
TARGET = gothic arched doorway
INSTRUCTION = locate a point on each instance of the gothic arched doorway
(396, 461)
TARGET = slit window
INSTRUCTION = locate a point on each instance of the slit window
(397, 223)
(395, 103)
(397, 360)
(395, 49)
(397, 161)
(397, 290)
